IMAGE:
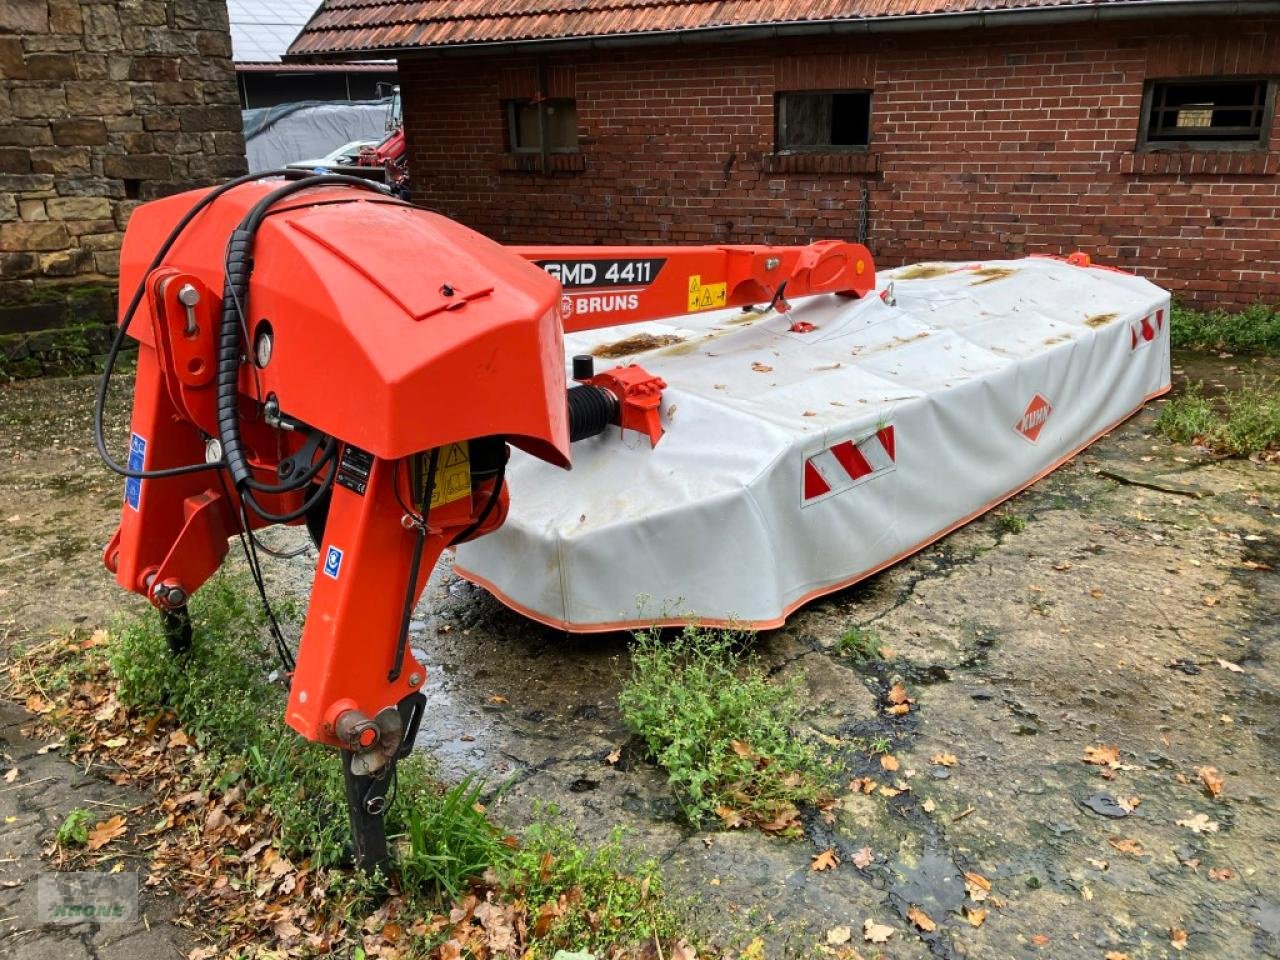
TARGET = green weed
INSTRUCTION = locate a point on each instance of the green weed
(1242, 422)
(723, 732)
(860, 644)
(74, 829)
(1255, 329)
(1012, 523)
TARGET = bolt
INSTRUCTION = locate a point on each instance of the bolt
(177, 596)
(415, 679)
(772, 263)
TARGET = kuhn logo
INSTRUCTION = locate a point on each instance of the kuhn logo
(1034, 419)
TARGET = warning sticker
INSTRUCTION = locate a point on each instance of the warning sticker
(706, 296)
(453, 474)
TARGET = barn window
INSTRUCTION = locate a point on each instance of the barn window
(1213, 113)
(528, 120)
(822, 121)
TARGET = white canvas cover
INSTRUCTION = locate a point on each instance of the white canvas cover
(795, 464)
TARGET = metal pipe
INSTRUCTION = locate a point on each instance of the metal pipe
(1092, 12)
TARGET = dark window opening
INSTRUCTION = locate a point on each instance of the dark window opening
(1208, 112)
(132, 189)
(824, 121)
(528, 119)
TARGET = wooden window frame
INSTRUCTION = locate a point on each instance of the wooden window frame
(780, 119)
(1260, 142)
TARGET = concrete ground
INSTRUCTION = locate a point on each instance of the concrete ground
(1129, 599)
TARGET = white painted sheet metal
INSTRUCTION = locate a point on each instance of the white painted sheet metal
(795, 464)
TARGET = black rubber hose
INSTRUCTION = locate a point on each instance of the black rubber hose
(592, 410)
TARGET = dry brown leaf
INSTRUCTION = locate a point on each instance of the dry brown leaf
(1129, 804)
(96, 639)
(11, 775)
(826, 860)
(498, 698)
(1200, 823)
(976, 916)
(1125, 845)
(759, 367)
(977, 886)
(614, 756)
(943, 759)
(36, 704)
(862, 785)
(839, 935)
(1212, 780)
(921, 919)
(1040, 939)
(873, 932)
(898, 694)
(731, 818)
(1103, 755)
(741, 748)
(889, 762)
(179, 739)
(1115, 955)
(787, 819)
(1210, 601)
(1221, 874)
(898, 709)
(862, 858)
(106, 831)
(1177, 938)
(1228, 665)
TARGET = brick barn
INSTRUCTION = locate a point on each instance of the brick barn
(1138, 130)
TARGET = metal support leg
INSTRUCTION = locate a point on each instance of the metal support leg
(177, 629)
(367, 807)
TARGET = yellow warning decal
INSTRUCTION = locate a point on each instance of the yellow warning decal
(706, 296)
(453, 474)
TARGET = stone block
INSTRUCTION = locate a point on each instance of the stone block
(8, 207)
(153, 69)
(28, 237)
(213, 43)
(126, 124)
(107, 262)
(83, 228)
(24, 16)
(51, 66)
(79, 132)
(138, 142)
(24, 135)
(91, 66)
(15, 160)
(32, 210)
(66, 263)
(118, 66)
(16, 265)
(227, 141)
(101, 242)
(26, 317)
(79, 208)
(42, 102)
(177, 92)
(60, 160)
(145, 167)
(90, 187)
(96, 98)
(161, 121)
(13, 65)
(31, 184)
(101, 27)
(51, 43)
(64, 17)
(208, 67)
(201, 119)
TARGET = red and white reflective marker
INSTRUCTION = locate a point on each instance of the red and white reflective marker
(846, 464)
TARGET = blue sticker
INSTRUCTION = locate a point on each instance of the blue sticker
(137, 456)
(333, 562)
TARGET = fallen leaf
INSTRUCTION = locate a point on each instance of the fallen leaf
(1115, 955)
(11, 775)
(1200, 823)
(1039, 939)
(1064, 565)
(1125, 845)
(1129, 804)
(921, 919)
(898, 709)
(1222, 874)
(929, 806)
(1212, 780)
(826, 860)
(759, 367)
(862, 858)
(754, 951)
(96, 639)
(1096, 594)
(787, 819)
(889, 792)
(975, 915)
(732, 818)
(614, 756)
(106, 831)
(976, 886)
(889, 762)
(839, 935)
(862, 785)
(498, 698)
(1177, 938)
(36, 704)
(873, 932)
(741, 748)
(943, 759)
(1103, 756)
(1228, 665)
(179, 739)
(898, 694)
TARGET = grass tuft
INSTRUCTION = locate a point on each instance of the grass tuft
(1255, 329)
(722, 731)
(1242, 422)
(860, 645)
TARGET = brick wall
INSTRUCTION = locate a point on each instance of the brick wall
(103, 104)
(985, 144)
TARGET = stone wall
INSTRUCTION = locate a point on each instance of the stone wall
(103, 105)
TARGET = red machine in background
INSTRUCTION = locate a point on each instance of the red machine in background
(314, 350)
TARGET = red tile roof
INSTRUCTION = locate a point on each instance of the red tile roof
(368, 26)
